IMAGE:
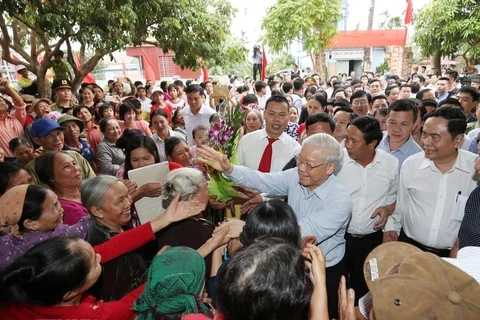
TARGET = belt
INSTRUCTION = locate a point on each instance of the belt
(360, 236)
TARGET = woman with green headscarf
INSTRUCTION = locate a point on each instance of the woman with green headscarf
(174, 287)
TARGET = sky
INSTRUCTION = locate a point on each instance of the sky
(250, 13)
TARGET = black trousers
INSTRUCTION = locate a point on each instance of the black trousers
(357, 250)
(439, 252)
(256, 68)
(333, 275)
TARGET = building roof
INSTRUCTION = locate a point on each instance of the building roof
(369, 38)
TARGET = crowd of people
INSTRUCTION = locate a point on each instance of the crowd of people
(349, 189)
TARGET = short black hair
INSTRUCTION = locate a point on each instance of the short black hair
(429, 103)
(381, 111)
(350, 111)
(287, 86)
(259, 85)
(125, 108)
(8, 171)
(320, 98)
(249, 98)
(359, 94)
(280, 99)
(471, 91)
(15, 142)
(45, 273)
(138, 141)
(444, 79)
(389, 89)
(194, 88)
(171, 143)
(452, 74)
(269, 276)
(320, 117)
(457, 122)
(370, 127)
(179, 83)
(298, 83)
(374, 80)
(104, 122)
(379, 97)
(274, 218)
(404, 105)
(452, 102)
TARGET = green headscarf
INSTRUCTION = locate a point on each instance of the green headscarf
(174, 283)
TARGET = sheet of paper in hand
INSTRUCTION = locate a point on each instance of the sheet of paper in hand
(149, 208)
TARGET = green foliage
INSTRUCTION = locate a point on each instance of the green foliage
(314, 22)
(197, 31)
(448, 26)
(280, 62)
(383, 67)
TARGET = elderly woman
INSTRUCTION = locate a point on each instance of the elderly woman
(108, 203)
(193, 232)
(178, 123)
(175, 283)
(22, 149)
(177, 150)
(61, 173)
(61, 270)
(109, 155)
(34, 214)
(11, 175)
(88, 97)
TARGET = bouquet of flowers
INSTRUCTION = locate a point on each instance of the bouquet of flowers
(223, 137)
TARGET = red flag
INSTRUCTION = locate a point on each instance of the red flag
(89, 78)
(147, 67)
(409, 12)
(263, 72)
(205, 76)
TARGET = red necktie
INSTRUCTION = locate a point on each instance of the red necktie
(266, 160)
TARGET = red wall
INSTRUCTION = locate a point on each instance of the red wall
(162, 63)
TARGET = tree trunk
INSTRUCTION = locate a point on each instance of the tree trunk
(437, 60)
(319, 64)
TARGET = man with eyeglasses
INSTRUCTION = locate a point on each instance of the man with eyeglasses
(49, 134)
(320, 202)
(361, 102)
(371, 177)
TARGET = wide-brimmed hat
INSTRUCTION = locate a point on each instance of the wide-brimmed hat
(69, 117)
(407, 283)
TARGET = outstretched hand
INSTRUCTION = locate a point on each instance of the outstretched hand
(180, 210)
(214, 159)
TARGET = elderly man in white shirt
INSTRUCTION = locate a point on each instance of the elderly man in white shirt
(196, 113)
(253, 146)
(370, 176)
(434, 186)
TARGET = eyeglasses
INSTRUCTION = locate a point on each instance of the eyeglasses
(308, 167)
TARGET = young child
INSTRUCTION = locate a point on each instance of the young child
(106, 111)
(200, 137)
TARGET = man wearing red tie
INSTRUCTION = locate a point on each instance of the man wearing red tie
(269, 149)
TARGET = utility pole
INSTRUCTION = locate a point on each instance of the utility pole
(367, 59)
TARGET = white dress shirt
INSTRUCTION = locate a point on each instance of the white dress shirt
(161, 143)
(146, 104)
(191, 120)
(430, 205)
(252, 145)
(370, 187)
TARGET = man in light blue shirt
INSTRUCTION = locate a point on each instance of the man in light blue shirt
(322, 205)
(398, 140)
